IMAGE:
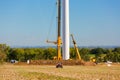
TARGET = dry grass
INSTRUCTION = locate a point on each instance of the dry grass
(45, 72)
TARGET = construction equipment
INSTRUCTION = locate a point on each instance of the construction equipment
(59, 41)
(76, 48)
(59, 65)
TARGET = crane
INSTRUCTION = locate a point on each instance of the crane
(76, 48)
(59, 41)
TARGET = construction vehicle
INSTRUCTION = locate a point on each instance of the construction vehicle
(59, 65)
(59, 41)
(76, 48)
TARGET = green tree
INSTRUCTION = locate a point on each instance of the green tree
(20, 54)
(72, 53)
(113, 56)
(117, 50)
(12, 54)
(4, 49)
(84, 52)
(99, 54)
(29, 54)
(49, 53)
(2, 56)
(39, 54)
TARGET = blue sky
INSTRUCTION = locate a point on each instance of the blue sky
(31, 22)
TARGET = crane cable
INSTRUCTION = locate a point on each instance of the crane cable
(51, 23)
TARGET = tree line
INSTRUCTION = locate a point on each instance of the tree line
(87, 54)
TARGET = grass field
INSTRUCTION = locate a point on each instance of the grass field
(45, 72)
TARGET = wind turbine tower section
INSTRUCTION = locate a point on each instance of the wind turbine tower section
(65, 24)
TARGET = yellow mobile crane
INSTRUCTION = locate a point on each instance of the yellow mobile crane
(76, 48)
(59, 41)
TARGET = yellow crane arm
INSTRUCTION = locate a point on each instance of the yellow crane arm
(76, 48)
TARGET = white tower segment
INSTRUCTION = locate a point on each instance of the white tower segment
(65, 22)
